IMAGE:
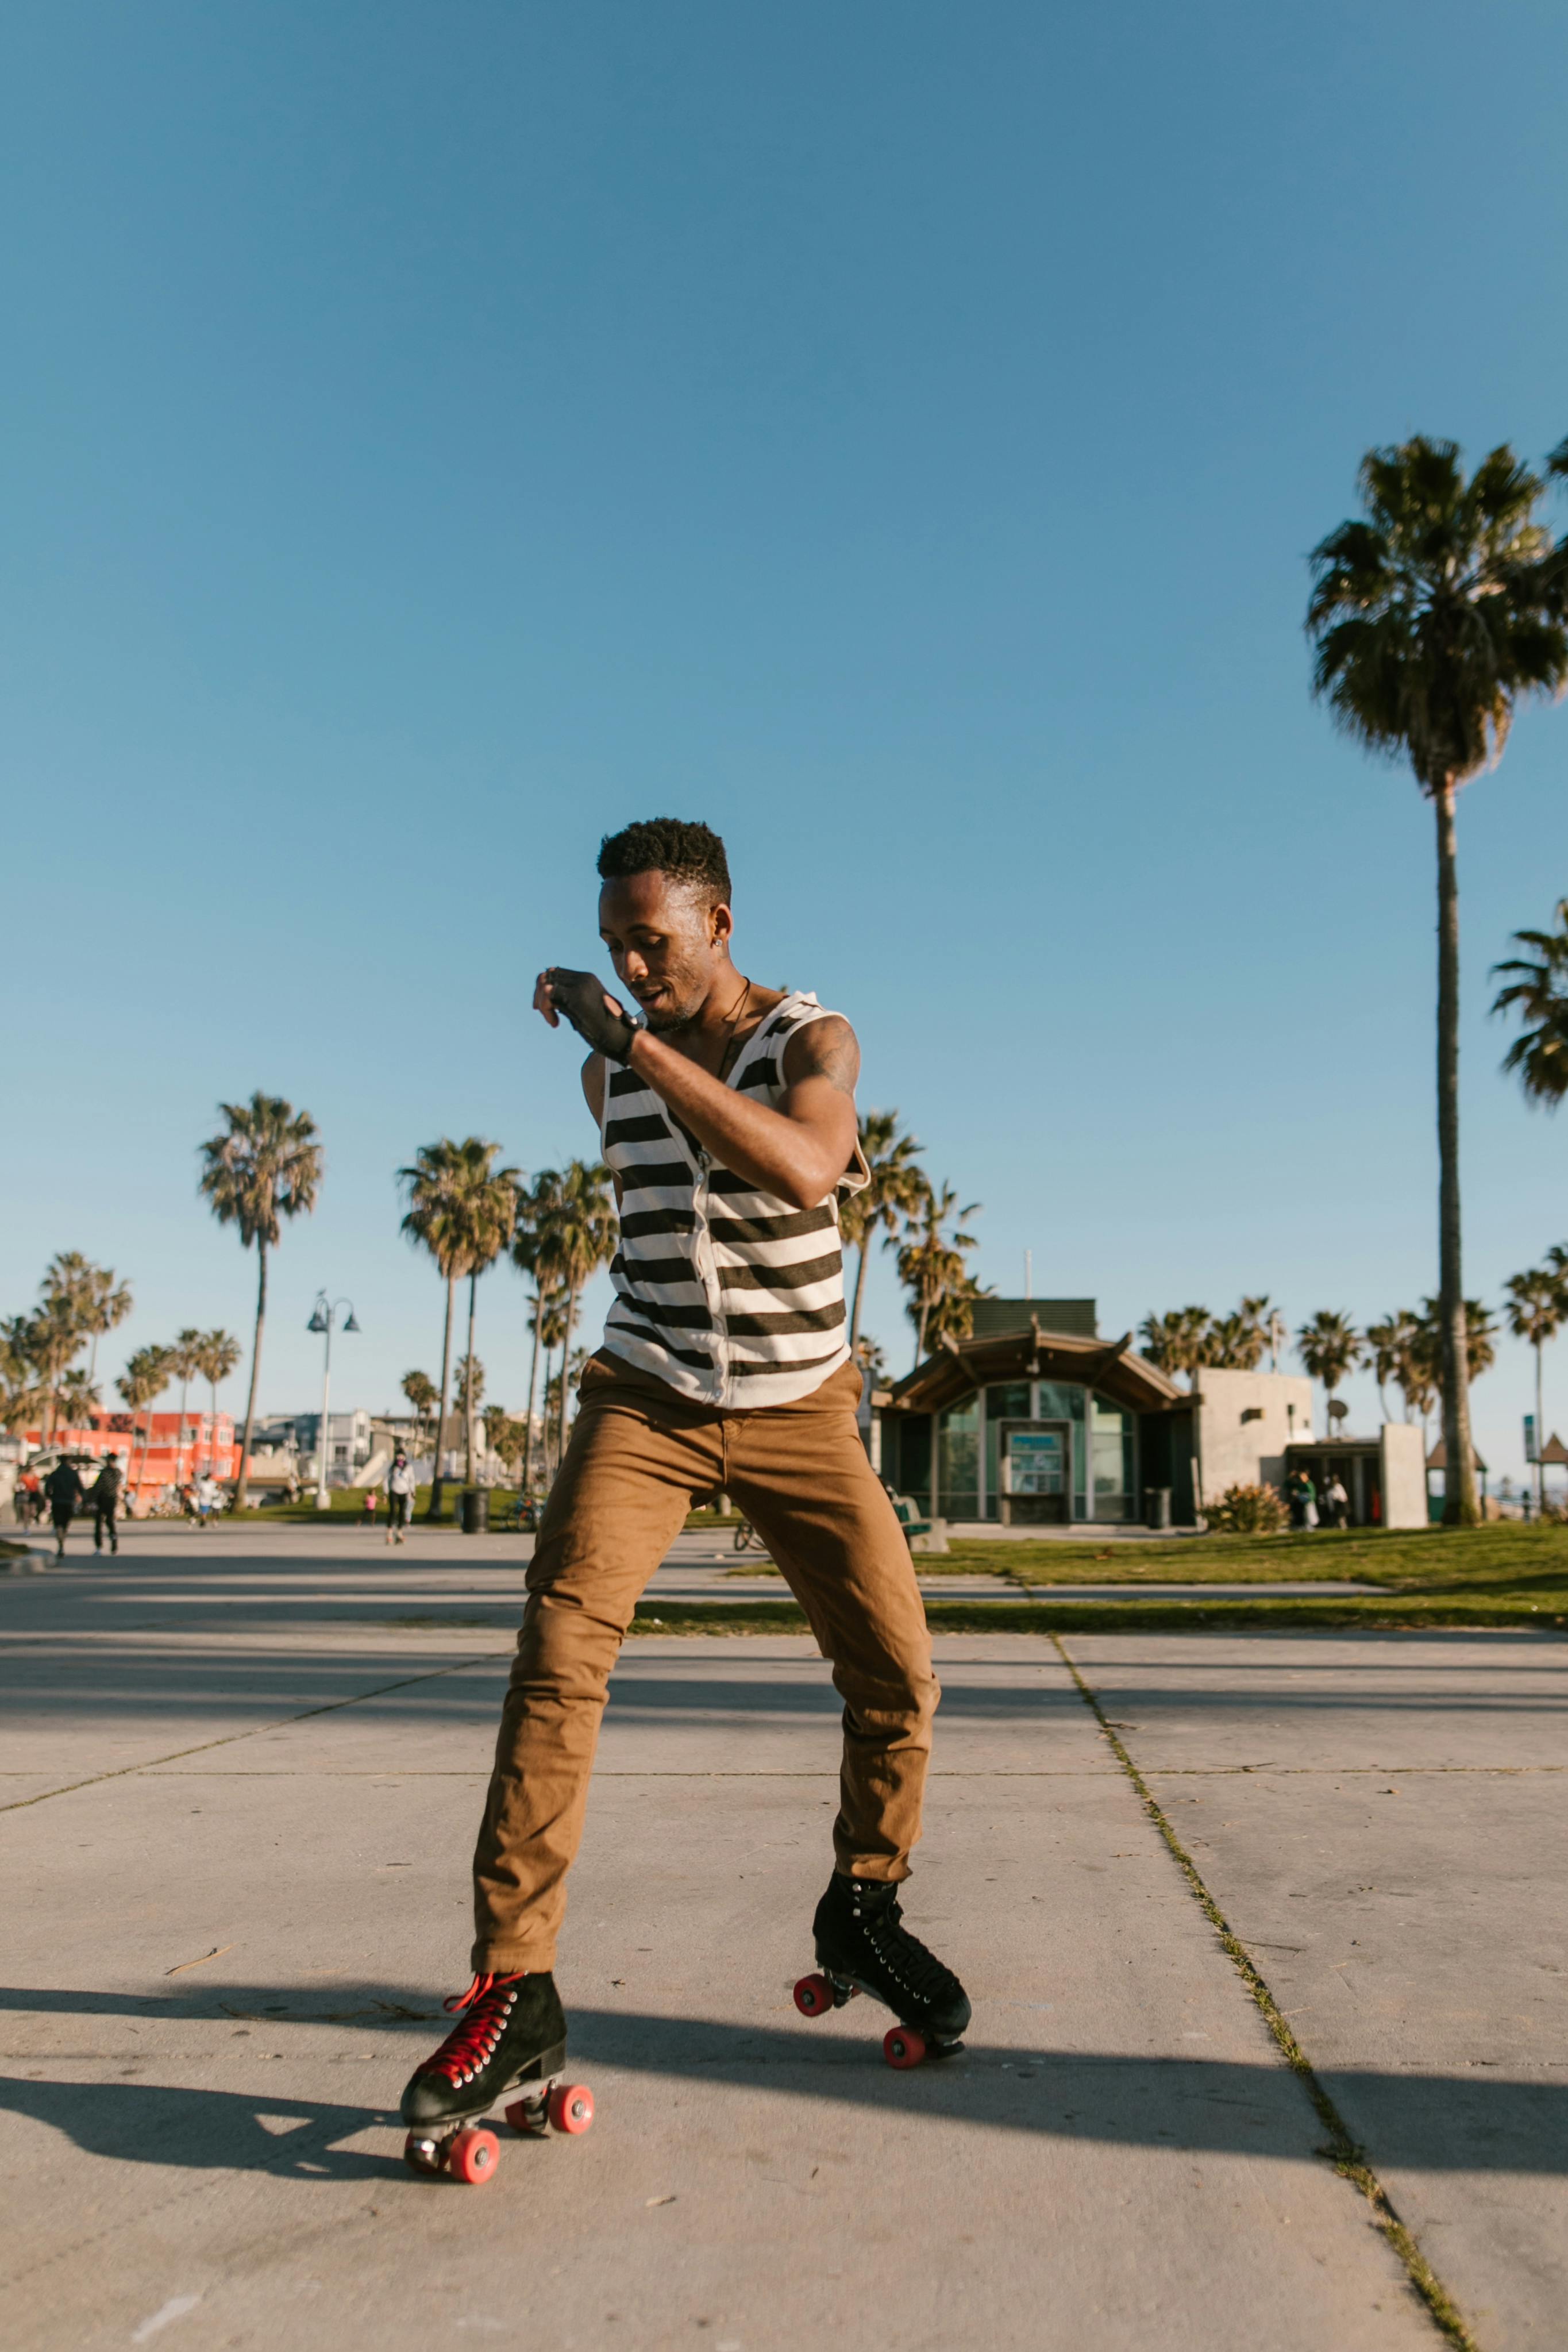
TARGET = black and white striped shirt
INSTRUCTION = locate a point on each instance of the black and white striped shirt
(729, 1295)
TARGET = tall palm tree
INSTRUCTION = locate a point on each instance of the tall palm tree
(217, 1355)
(186, 1355)
(576, 1235)
(897, 1187)
(20, 1398)
(1431, 616)
(932, 1260)
(1330, 1346)
(1537, 1302)
(1388, 1344)
(461, 1208)
(1178, 1342)
(468, 1379)
(1538, 994)
(147, 1374)
(265, 1166)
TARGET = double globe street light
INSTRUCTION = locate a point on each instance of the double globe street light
(322, 1316)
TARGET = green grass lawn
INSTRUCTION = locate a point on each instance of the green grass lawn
(1505, 1574)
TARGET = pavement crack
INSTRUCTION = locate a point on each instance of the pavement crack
(1340, 2150)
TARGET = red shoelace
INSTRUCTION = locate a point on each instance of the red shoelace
(473, 2043)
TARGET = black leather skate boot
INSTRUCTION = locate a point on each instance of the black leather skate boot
(513, 2029)
(862, 1942)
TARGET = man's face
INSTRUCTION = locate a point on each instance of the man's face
(667, 944)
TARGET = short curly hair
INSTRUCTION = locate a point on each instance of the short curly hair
(692, 853)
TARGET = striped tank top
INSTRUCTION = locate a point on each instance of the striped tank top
(730, 1296)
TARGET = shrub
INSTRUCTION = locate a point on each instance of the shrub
(1247, 1511)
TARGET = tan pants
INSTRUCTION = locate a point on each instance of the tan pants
(638, 1453)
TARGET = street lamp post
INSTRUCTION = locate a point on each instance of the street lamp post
(321, 1319)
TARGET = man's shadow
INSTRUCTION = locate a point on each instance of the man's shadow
(223, 2131)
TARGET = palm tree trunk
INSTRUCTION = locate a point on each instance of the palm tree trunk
(533, 1386)
(1460, 1505)
(180, 1449)
(1540, 1441)
(468, 1400)
(565, 1367)
(241, 1490)
(433, 1510)
(860, 1286)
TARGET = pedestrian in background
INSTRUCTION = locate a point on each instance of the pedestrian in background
(1302, 1497)
(400, 1488)
(104, 1498)
(1336, 1502)
(63, 1488)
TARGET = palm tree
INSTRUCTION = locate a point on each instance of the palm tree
(20, 1394)
(80, 1398)
(458, 1206)
(421, 1392)
(217, 1355)
(468, 1378)
(932, 1268)
(54, 1338)
(1329, 1345)
(1178, 1342)
(548, 1319)
(186, 1358)
(146, 1376)
(894, 1193)
(1238, 1342)
(1538, 994)
(91, 1291)
(1537, 1302)
(533, 1203)
(872, 1363)
(1388, 1345)
(265, 1166)
(574, 1236)
(1431, 616)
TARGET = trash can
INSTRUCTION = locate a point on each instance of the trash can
(1157, 1507)
(475, 1510)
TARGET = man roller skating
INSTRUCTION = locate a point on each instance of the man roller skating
(727, 1118)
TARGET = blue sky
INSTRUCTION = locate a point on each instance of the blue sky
(433, 437)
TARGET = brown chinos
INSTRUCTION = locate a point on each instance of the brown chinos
(638, 1453)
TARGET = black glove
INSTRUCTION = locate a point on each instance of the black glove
(597, 1018)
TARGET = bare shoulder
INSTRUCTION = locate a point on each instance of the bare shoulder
(593, 1086)
(828, 1049)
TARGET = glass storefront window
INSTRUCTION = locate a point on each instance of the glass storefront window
(960, 1461)
(1113, 1461)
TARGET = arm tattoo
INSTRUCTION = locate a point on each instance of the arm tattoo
(824, 1049)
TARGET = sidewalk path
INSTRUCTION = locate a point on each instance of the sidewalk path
(266, 1762)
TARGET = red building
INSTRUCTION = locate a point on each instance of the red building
(156, 1449)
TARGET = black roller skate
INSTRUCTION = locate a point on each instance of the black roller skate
(513, 2033)
(863, 1946)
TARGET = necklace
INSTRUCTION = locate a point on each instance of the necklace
(729, 1033)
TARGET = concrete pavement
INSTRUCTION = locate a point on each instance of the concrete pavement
(241, 1775)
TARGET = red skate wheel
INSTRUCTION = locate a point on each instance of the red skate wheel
(473, 2156)
(571, 2107)
(904, 2047)
(813, 1995)
(528, 2117)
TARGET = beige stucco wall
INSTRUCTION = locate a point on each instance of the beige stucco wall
(1237, 1452)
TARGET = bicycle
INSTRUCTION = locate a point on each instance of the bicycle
(746, 1538)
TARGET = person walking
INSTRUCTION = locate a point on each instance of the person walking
(1336, 1502)
(401, 1486)
(208, 1496)
(64, 1489)
(727, 1115)
(30, 1499)
(1302, 1497)
(104, 1495)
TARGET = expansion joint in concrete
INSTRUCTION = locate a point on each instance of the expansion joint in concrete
(1348, 2158)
